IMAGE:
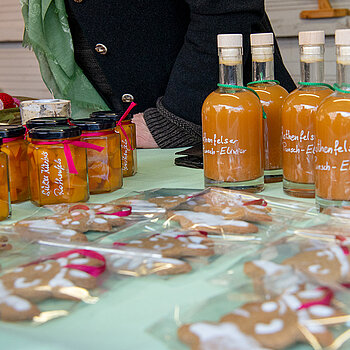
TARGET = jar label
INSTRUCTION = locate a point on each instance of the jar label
(59, 191)
(45, 172)
(302, 142)
(125, 152)
(339, 148)
(221, 145)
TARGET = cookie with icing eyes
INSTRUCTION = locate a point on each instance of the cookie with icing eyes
(328, 265)
(4, 243)
(173, 245)
(137, 266)
(141, 206)
(65, 277)
(200, 221)
(37, 229)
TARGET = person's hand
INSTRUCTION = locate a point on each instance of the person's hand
(144, 138)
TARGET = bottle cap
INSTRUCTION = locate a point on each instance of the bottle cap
(9, 131)
(261, 39)
(95, 124)
(54, 132)
(312, 38)
(342, 37)
(230, 40)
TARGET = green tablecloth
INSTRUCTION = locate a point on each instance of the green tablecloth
(120, 318)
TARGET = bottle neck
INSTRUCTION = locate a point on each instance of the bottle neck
(230, 66)
(343, 67)
(312, 64)
(263, 63)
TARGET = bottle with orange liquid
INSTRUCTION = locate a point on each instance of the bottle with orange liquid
(272, 96)
(333, 134)
(298, 117)
(232, 125)
(5, 202)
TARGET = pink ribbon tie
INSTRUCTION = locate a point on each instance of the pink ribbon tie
(10, 139)
(132, 105)
(261, 202)
(67, 151)
(324, 301)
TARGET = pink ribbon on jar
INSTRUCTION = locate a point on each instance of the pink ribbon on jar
(67, 151)
(132, 105)
(10, 139)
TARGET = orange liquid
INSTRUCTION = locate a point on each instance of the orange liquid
(129, 157)
(18, 169)
(50, 180)
(272, 97)
(104, 168)
(333, 148)
(4, 188)
(298, 135)
(232, 136)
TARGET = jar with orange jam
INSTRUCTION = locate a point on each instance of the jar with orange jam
(104, 168)
(15, 146)
(332, 126)
(5, 202)
(127, 131)
(298, 118)
(272, 96)
(232, 126)
(57, 166)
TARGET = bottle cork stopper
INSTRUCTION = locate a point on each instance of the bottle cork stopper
(312, 38)
(230, 40)
(342, 37)
(261, 39)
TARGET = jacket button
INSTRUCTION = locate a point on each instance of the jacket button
(127, 98)
(101, 49)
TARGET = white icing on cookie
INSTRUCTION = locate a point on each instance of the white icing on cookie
(100, 221)
(269, 267)
(275, 326)
(241, 312)
(321, 311)
(223, 336)
(292, 301)
(311, 294)
(269, 306)
(206, 219)
(78, 273)
(60, 281)
(20, 282)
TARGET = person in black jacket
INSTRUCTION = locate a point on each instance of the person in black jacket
(163, 55)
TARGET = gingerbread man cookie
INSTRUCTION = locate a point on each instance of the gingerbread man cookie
(57, 276)
(210, 223)
(168, 202)
(271, 324)
(174, 245)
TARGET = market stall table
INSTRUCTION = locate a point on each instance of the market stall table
(120, 318)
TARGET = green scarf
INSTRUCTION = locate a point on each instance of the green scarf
(47, 32)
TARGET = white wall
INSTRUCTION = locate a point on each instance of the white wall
(20, 75)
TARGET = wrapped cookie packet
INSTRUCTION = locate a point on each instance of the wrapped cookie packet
(48, 287)
(293, 292)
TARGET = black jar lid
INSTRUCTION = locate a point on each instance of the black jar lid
(110, 114)
(0, 141)
(54, 132)
(94, 124)
(8, 131)
(47, 121)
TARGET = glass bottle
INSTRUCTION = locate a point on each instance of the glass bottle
(15, 146)
(272, 96)
(333, 134)
(127, 131)
(105, 167)
(298, 117)
(5, 202)
(52, 153)
(232, 125)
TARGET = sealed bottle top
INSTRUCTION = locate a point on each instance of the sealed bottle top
(262, 47)
(316, 37)
(54, 132)
(110, 114)
(342, 37)
(9, 131)
(95, 124)
(230, 40)
(261, 39)
(48, 121)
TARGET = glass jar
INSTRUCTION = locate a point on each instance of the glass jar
(104, 168)
(57, 166)
(15, 146)
(127, 130)
(5, 206)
